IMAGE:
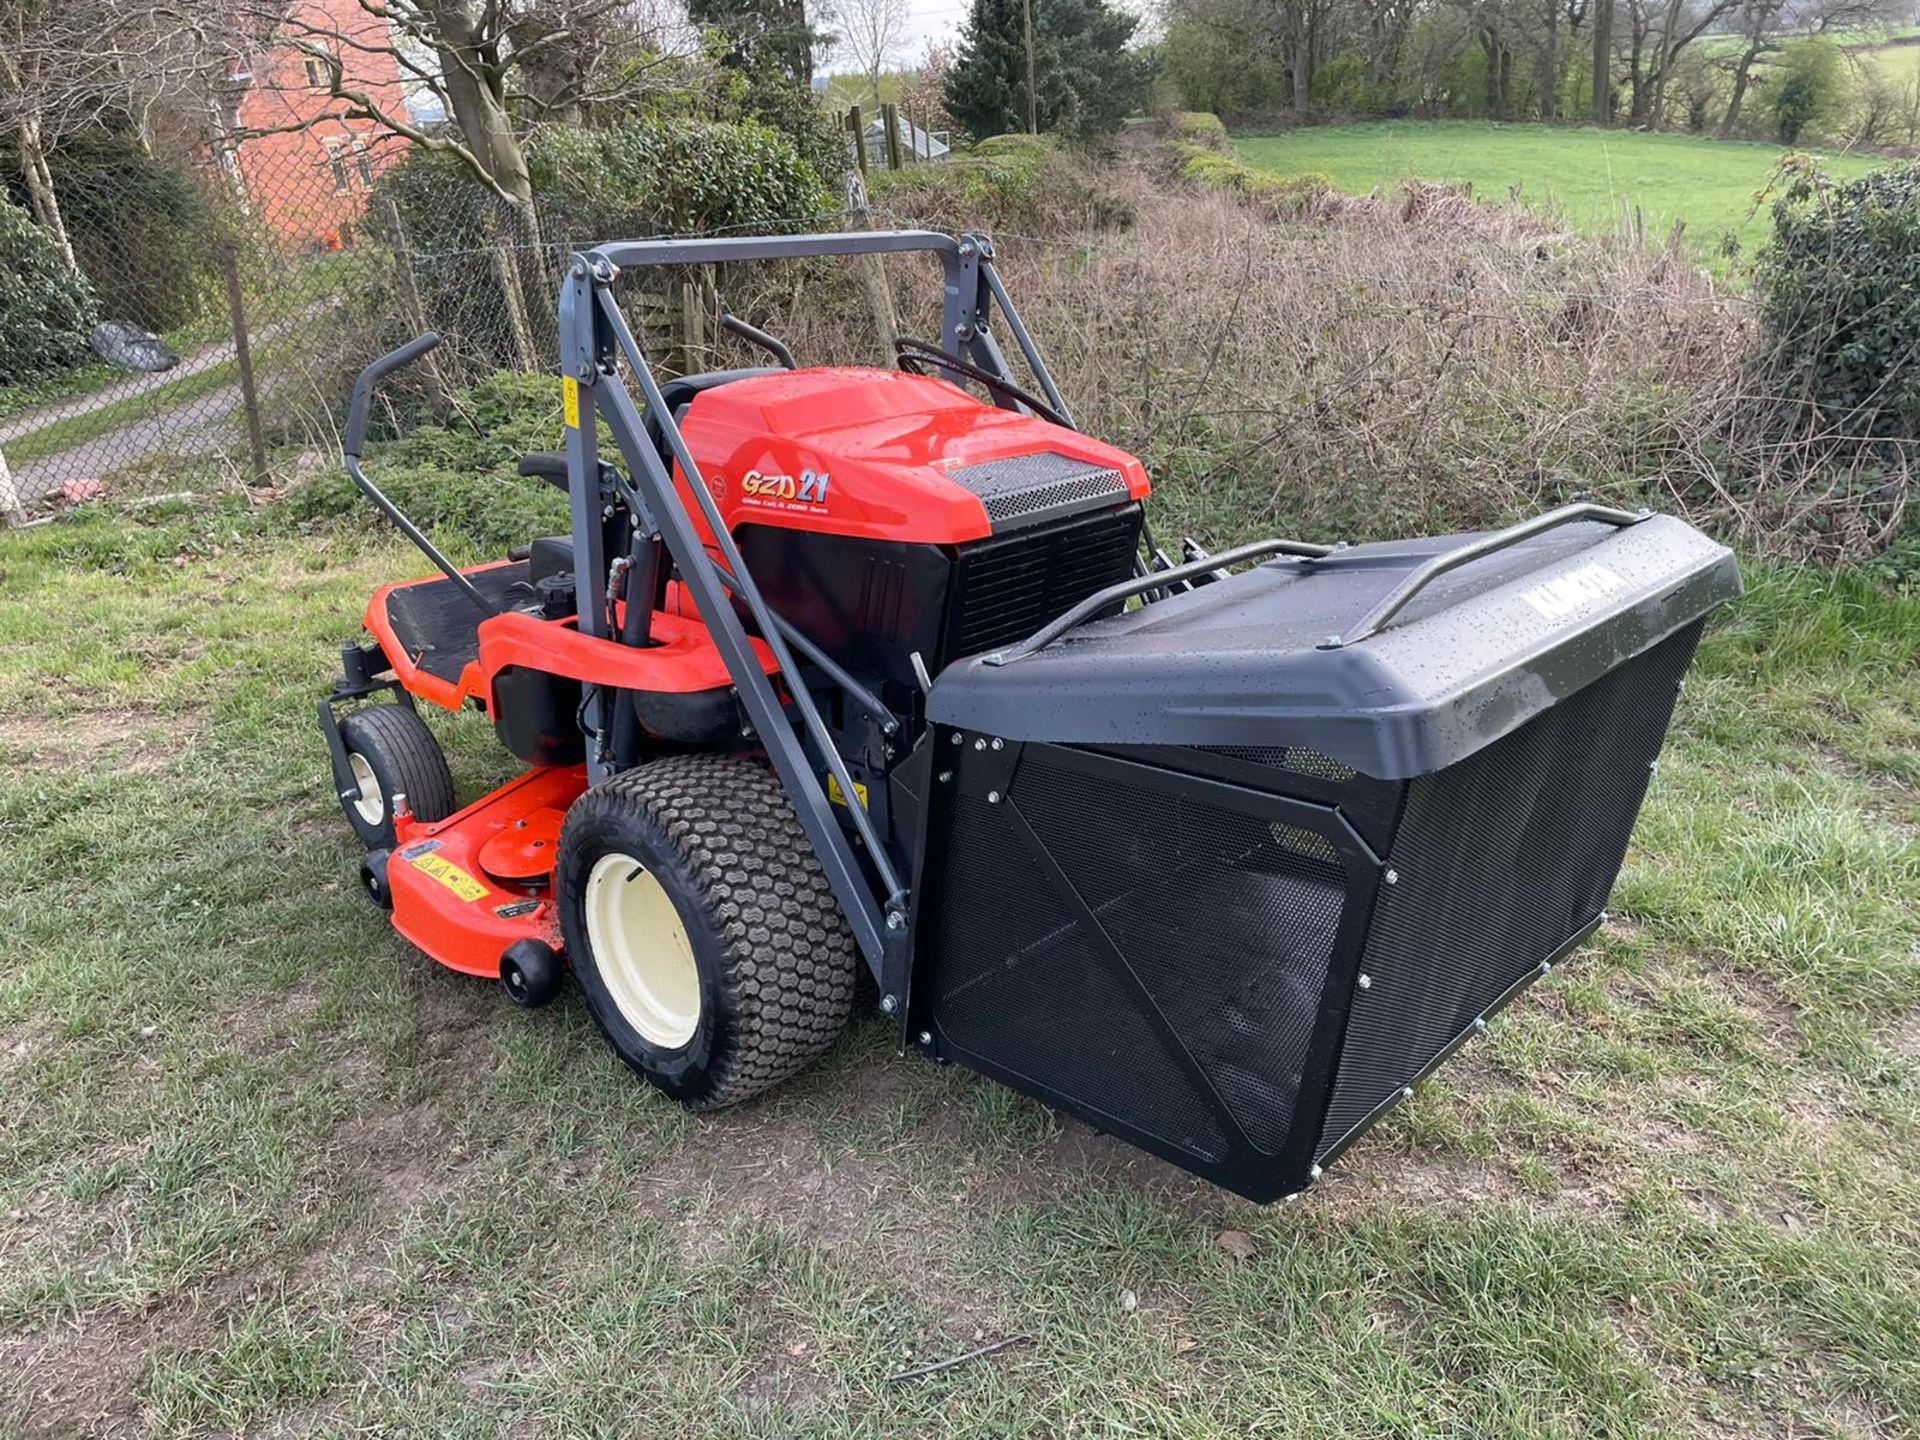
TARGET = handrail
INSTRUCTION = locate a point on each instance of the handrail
(355, 441)
(754, 335)
(1395, 600)
(1153, 580)
(628, 254)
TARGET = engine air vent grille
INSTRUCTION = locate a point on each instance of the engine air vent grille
(1007, 587)
(1025, 488)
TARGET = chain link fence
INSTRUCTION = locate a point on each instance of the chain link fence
(1388, 365)
(225, 317)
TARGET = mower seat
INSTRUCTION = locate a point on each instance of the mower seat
(679, 395)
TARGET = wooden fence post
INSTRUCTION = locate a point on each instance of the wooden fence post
(243, 357)
(858, 126)
(890, 121)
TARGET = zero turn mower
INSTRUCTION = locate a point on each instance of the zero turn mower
(851, 673)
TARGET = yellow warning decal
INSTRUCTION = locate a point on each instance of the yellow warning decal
(452, 876)
(839, 796)
(570, 393)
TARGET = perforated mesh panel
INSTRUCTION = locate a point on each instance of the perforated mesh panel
(1500, 860)
(1297, 758)
(1019, 981)
(1225, 917)
(1024, 486)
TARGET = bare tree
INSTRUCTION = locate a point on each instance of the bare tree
(496, 69)
(872, 32)
(66, 64)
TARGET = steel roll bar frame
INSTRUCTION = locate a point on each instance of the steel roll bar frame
(595, 339)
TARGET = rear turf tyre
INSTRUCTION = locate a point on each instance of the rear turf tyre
(391, 752)
(701, 928)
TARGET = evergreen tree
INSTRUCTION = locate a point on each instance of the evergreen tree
(1086, 81)
(769, 40)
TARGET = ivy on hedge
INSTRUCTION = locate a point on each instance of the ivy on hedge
(46, 310)
(1839, 287)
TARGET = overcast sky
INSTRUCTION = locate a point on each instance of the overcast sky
(940, 20)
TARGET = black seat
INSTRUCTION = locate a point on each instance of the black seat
(679, 395)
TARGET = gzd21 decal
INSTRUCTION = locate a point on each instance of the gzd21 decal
(785, 492)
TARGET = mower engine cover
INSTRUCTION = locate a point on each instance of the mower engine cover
(890, 456)
(1228, 890)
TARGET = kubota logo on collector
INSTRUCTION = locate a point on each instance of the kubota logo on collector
(809, 489)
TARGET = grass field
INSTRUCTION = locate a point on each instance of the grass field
(267, 1170)
(1590, 177)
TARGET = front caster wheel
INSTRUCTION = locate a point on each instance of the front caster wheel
(701, 928)
(530, 971)
(390, 752)
(373, 879)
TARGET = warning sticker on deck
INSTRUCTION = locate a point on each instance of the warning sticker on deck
(451, 876)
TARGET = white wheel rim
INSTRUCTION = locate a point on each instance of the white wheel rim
(641, 950)
(372, 805)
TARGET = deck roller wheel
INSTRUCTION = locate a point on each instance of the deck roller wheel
(701, 928)
(390, 751)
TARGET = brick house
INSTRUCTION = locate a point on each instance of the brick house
(305, 168)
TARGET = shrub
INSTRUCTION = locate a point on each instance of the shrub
(140, 231)
(673, 175)
(1277, 195)
(1197, 127)
(46, 309)
(458, 480)
(1023, 182)
(1839, 286)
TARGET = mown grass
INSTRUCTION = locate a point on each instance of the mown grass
(267, 1169)
(1592, 179)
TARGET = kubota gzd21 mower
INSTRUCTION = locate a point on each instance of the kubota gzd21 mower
(843, 669)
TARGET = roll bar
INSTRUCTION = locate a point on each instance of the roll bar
(600, 357)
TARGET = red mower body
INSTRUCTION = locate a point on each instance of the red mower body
(805, 462)
(866, 454)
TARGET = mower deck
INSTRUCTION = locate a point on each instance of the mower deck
(467, 887)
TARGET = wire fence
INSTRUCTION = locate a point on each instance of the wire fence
(215, 338)
(1399, 370)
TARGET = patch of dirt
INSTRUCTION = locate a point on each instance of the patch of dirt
(395, 1150)
(453, 1009)
(1905, 1041)
(19, 1044)
(260, 1023)
(783, 1376)
(83, 1381)
(756, 1163)
(1417, 1179)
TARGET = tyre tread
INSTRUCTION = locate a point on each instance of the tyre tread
(788, 957)
(408, 745)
